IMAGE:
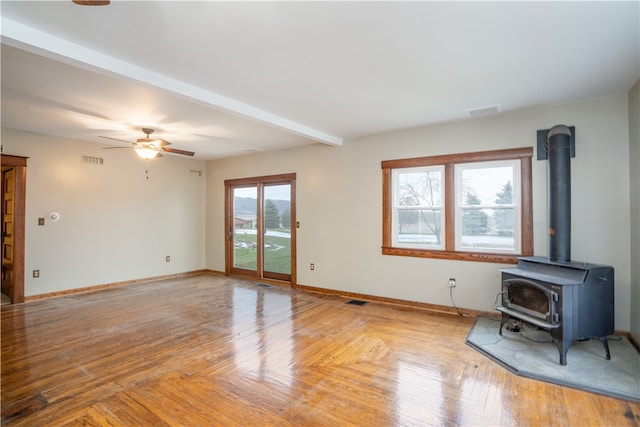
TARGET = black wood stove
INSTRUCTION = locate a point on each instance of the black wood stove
(571, 300)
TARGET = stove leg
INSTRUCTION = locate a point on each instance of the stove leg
(563, 347)
(605, 343)
(505, 318)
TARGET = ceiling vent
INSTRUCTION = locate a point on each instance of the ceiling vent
(483, 111)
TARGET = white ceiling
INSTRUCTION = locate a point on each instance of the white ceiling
(227, 78)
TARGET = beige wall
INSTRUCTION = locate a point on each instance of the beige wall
(115, 225)
(339, 203)
(634, 165)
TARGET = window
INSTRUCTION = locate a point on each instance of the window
(473, 206)
(487, 218)
(418, 207)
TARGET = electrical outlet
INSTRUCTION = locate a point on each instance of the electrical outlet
(312, 266)
(36, 274)
(452, 283)
(167, 258)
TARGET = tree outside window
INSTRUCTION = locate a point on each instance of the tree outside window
(418, 207)
(504, 217)
(483, 224)
(271, 215)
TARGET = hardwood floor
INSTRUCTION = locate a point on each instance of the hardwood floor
(210, 350)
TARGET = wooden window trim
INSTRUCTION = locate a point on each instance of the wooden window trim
(523, 154)
(270, 179)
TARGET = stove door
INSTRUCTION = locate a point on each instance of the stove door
(530, 300)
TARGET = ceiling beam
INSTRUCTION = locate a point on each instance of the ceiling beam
(41, 43)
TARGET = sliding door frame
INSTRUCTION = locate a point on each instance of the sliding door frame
(260, 181)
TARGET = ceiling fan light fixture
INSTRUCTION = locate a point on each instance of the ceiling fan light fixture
(146, 152)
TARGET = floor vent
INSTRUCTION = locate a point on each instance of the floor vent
(356, 302)
(263, 285)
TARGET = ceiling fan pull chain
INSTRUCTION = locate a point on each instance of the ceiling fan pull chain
(147, 168)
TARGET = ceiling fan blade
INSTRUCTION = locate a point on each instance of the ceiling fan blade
(155, 142)
(177, 151)
(115, 139)
(161, 143)
(112, 148)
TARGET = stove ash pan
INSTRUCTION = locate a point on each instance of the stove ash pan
(571, 300)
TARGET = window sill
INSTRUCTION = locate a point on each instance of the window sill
(457, 256)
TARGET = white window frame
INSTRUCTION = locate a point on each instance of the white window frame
(397, 207)
(459, 168)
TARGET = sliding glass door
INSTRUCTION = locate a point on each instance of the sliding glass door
(260, 218)
(276, 214)
(245, 229)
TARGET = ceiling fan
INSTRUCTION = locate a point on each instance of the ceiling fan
(149, 148)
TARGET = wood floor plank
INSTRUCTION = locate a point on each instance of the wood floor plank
(117, 410)
(211, 350)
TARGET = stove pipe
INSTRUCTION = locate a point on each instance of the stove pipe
(559, 179)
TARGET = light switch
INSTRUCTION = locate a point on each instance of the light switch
(40, 221)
